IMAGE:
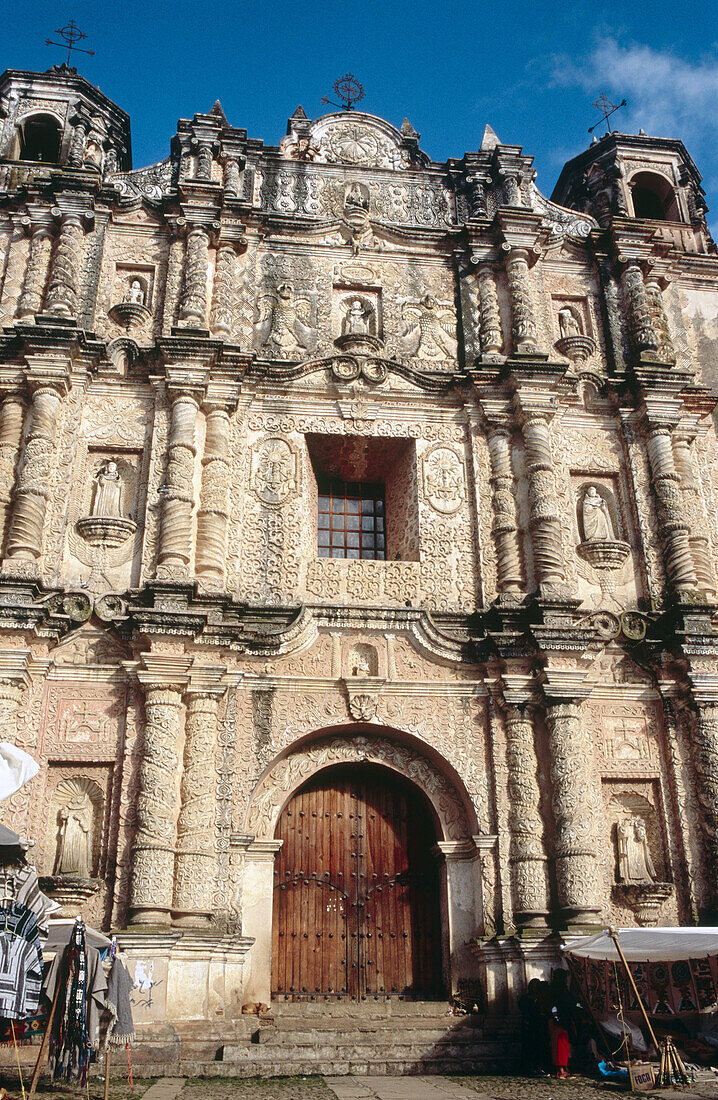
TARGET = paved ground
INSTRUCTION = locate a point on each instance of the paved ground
(357, 1088)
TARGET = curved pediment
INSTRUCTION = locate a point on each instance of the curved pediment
(352, 138)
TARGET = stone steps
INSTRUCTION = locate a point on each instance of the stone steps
(301, 1040)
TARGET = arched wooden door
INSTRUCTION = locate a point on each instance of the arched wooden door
(356, 897)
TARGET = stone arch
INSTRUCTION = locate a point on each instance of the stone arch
(653, 196)
(448, 799)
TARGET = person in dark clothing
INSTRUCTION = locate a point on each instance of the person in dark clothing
(534, 1031)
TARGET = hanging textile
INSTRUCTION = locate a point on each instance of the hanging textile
(18, 919)
(82, 989)
(121, 1029)
(28, 892)
(16, 769)
(20, 977)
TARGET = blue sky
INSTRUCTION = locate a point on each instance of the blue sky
(532, 70)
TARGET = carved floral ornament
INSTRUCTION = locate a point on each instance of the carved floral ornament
(359, 139)
(292, 771)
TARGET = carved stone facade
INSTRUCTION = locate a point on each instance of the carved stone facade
(513, 401)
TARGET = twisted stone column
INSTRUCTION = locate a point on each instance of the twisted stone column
(77, 144)
(33, 287)
(526, 853)
(12, 417)
(491, 336)
(176, 523)
(512, 189)
(231, 179)
(193, 303)
(214, 495)
(673, 526)
(63, 286)
(195, 865)
(694, 513)
(640, 319)
(509, 571)
(33, 489)
(575, 847)
(654, 297)
(705, 748)
(153, 857)
(544, 522)
(204, 162)
(523, 320)
(224, 291)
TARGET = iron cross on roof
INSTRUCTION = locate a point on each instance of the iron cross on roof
(348, 90)
(70, 35)
(604, 105)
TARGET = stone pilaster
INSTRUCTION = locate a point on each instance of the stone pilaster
(640, 317)
(544, 521)
(527, 854)
(574, 811)
(14, 679)
(214, 494)
(62, 297)
(175, 542)
(195, 865)
(12, 418)
(705, 755)
(204, 161)
(224, 290)
(49, 381)
(672, 521)
(163, 680)
(193, 302)
(509, 569)
(33, 287)
(694, 512)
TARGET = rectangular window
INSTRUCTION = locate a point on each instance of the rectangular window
(350, 519)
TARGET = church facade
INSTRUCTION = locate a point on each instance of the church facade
(358, 519)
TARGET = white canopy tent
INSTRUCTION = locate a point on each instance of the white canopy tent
(648, 944)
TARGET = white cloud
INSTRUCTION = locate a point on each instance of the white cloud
(667, 95)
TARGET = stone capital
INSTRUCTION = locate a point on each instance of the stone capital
(263, 851)
(207, 680)
(221, 395)
(164, 670)
(523, 230)
(566, 685)
(48, 372)
(14, 666)
(457, 851)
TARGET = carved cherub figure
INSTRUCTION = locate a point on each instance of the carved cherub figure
(429, 329)
(285, 328)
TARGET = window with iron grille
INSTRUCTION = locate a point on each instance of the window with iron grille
(351, 519)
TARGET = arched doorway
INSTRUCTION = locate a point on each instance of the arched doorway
(356, 890)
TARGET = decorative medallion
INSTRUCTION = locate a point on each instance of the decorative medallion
(444, 480)
(274, 471)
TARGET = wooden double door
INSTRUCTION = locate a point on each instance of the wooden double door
(356, 895)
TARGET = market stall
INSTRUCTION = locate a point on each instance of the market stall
(665, 980)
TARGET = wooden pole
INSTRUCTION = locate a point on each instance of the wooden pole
(42, 1053)
(614, 936)
(106, 1095)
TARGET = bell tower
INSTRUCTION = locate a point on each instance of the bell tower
(650, 180)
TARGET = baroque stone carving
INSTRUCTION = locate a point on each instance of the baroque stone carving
(274, 471)
(444, 479)
(288, 773)
(284, 327)
(429, 329)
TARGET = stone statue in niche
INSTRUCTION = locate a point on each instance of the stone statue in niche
(107, 497)
(429, 329)
(358, 319)
(356, 196)
(74, 855)
(568, 322)
(285, 328)
(135, 293)
(597, 524)
(634, 857)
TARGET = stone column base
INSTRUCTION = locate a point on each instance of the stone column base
(181, 975)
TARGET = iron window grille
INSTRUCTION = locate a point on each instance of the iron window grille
(351, 521)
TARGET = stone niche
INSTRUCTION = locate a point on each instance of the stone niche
(608, 572)
(72, 854)
(638, 848)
